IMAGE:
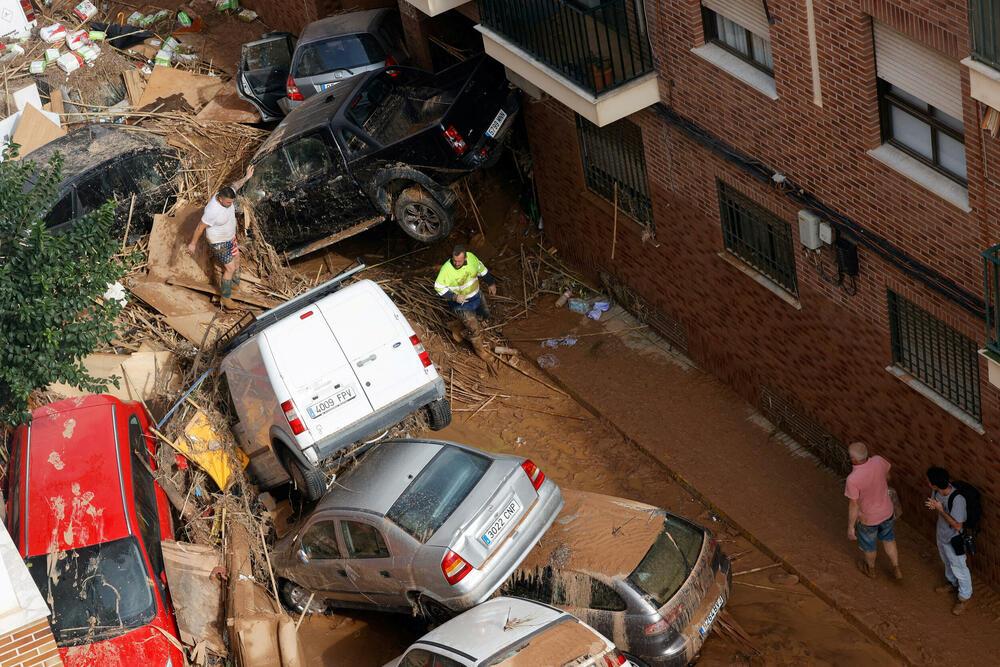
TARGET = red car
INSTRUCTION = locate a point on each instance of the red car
(88, 519)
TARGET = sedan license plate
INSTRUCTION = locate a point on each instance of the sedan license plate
(320, 408)
(495, 530)
(497, 122)
(706, 626)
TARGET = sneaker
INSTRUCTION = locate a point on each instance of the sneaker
(866, 569)
(960, 606)
(947, 588)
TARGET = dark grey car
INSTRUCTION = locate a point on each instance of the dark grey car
(651, 581)
(417, 524)
(328, 53)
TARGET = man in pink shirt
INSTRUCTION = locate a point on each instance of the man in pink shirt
(870, 514)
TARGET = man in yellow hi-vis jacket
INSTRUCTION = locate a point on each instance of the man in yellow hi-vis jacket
(458, 282)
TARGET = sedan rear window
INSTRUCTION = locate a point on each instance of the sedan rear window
(435, 493)
(342, 52)
(669, 561)
(96, 592)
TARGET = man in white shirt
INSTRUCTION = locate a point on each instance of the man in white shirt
(218, 224)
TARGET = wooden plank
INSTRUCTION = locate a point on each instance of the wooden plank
(171, 300)
(35, 130)
(196, 89)
(228, 106)
(142, 368)
(168, 241)
(193, 327)
(238, 294)
(135, 84)
(56, 102)
(197, 599)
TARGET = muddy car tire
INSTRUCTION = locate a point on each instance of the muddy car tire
(295, 598)
(310, 482)
(421, 216)
(438, 414)
(433, 612)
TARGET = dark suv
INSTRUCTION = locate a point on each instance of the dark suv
(386, 147)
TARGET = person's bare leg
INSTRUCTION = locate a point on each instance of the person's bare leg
(893, 554)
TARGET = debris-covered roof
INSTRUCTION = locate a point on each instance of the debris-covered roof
(83, 148)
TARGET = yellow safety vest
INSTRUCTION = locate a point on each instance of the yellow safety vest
(463, 281)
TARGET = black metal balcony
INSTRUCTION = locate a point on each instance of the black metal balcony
(991, 272)
(596, 45)
(984, 31)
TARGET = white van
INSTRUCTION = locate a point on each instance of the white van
(326, 369)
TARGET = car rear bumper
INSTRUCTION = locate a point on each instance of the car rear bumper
(381, 419)
(684, 647)
(482, 583)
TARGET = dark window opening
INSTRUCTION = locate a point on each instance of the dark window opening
(758, 237)
(144, 493)
(614, 166)
(731, 36)
(936, 354)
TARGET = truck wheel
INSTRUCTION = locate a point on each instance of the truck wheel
(310, 482)
(421, 216)
(438, 414)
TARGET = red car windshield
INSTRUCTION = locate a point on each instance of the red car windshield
(96, 592)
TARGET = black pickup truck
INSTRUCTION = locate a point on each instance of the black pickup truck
(386, 148)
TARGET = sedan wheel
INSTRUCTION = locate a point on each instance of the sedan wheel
(295, 598)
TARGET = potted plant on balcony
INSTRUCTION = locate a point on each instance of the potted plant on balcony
(601, 75)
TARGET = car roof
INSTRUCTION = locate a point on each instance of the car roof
(74, 495)
(379, 478)
(599, 535)
(315, 112)
(341, 24)
(491, 626)
(87, 147)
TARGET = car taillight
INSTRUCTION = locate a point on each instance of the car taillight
(293, 417)
(454, 567)
(534, 473)
(613, 659)
(292, 90)
(425, 358)
(455, 140)
(663, 624)
(389, 62)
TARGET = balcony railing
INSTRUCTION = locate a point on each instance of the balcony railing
(991, 271)
(596, 45)
(984, 31)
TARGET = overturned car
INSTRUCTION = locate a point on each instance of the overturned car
(385, 148)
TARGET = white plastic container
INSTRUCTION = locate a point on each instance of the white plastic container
(12, 52)
(163, 57)
(70, 62)
(52, 33)
(36, 66)
(85, 10)
(134, 18)
(77, 39)
(89, 53)
(51, 54)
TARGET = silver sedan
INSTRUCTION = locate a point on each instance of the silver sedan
(417, 524)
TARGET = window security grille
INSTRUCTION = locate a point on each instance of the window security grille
(935, 353)
(614, 154)
(758, 237)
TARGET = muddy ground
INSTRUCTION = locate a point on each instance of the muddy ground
(786, 622)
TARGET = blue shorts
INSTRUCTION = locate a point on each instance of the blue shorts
(867, 535)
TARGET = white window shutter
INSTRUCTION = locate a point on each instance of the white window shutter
(748, 13)
(918, 70)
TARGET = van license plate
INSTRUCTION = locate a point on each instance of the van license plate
(512, 509)
(322, 407)
(711, 616)
(495, 125)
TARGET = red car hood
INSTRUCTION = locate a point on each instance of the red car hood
(145, 646)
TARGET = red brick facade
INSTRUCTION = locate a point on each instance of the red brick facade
(293, 15)
(31, 646)
(828, 358)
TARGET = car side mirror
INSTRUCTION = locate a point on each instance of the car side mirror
(303, 557)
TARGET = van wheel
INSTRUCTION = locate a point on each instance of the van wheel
(295, 598)
(311, 482)
(421, 216)
(438, 414)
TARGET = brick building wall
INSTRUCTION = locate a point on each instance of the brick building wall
(293, 15)
(828, 357)
(30, 646)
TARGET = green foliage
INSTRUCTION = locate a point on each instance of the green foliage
(51, 315)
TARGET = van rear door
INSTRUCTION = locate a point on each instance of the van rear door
(375, 338)
(324, 388)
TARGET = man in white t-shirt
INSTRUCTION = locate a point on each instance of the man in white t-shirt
(218, 224)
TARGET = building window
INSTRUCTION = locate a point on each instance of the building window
(614, 166)
(758, 237)
(923, 131)
(935, 353)
(738, 40)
